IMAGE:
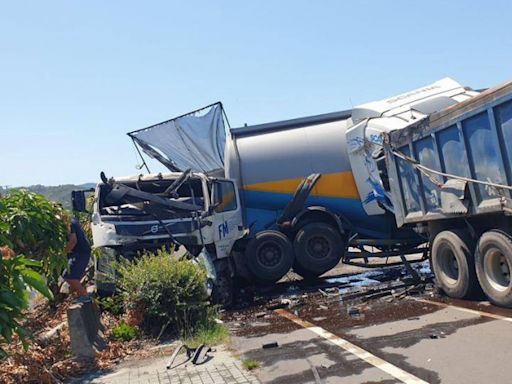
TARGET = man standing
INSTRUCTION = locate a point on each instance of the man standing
(79, 254)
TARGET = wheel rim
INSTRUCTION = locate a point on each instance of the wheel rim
(318, 247)
(449, 265)
(497, 269)
(269, 255)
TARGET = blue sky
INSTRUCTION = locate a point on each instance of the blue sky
(75, 76)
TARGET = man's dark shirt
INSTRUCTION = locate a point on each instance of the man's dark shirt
(82, 246)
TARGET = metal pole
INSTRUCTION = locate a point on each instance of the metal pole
(224, 114)
(140, 154)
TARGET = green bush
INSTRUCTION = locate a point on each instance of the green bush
(170, 291)
(124, 332)
(16, 274)
(210, 334)
(113, 304)
(34, 226)
(251, 364)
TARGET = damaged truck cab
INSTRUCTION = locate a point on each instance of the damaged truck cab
(144, 212)
(136, 214)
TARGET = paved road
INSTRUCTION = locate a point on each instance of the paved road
(420, 339)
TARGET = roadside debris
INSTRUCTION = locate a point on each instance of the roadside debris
(440, 335)
(353, 311)
(392, 284)
(198, 355)
(53, 333)
(282, 303)
(329, 292)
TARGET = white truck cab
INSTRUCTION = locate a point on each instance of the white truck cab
(148, 211)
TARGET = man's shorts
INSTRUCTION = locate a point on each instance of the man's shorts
(77, 265)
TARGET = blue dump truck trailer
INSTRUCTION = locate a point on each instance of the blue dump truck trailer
(304, 194)
(450, 177)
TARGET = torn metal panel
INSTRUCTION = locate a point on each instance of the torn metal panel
(194, 141)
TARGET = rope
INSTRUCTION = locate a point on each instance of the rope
(428, 171)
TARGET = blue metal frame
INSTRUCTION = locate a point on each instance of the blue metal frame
(412, 135)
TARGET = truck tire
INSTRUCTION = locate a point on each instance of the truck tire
(269, 256)
(318, 248)
(493, 258)
(222, 291)
(453, 264)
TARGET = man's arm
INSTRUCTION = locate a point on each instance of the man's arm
(7, 252)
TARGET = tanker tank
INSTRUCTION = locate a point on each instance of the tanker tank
(270, 160)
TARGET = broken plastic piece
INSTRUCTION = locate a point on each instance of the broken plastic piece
(198, 355)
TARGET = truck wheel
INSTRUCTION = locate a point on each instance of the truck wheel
(493, 258)
(453, 264)
(318, 248)
(222, 291)
(269, 256)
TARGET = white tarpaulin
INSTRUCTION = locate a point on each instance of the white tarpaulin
(193, 141)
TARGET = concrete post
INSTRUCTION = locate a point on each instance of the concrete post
(85, 330)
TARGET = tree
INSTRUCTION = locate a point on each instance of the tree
(34, 228)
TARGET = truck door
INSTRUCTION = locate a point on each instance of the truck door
(227, 218)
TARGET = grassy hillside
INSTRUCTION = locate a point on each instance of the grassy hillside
(57, 193)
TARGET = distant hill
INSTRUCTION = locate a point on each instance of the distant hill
(58, 193)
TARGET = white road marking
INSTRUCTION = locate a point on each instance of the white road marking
(462, 309)
(359, 352)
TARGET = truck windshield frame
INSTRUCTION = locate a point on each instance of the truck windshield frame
(190, 192)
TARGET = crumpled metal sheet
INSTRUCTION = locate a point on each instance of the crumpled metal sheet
(194, 141)
(453, 195)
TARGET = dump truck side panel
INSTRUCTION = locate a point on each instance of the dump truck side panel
(471, 140)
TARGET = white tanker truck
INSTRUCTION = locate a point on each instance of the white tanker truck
(257, 201)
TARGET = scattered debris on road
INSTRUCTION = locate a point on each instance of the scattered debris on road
(274, 344)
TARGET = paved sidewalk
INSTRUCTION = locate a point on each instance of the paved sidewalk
(223, 368)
